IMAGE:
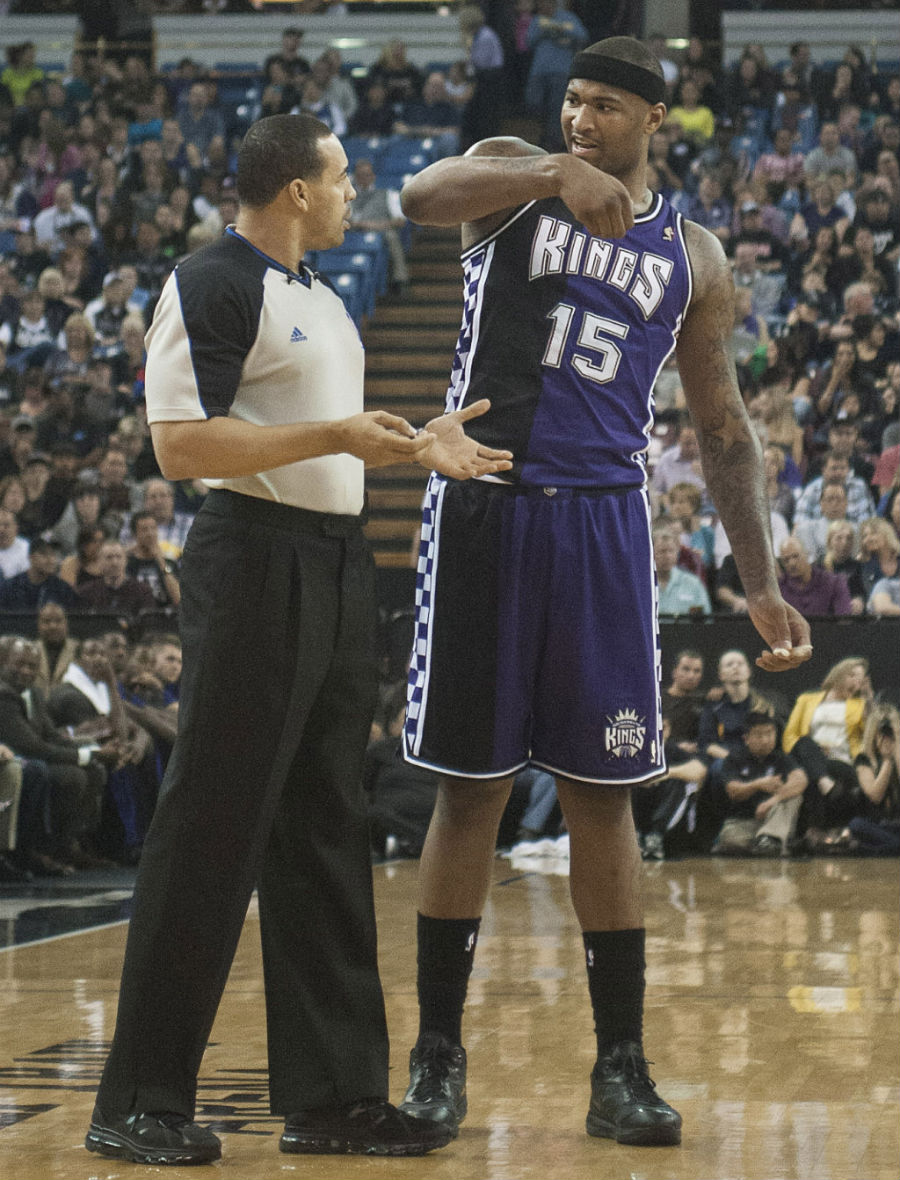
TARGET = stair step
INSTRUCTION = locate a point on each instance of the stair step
(448, 271)
(434, 363)
(434, 312)
(406, 386)
(408, 338)
(396, 499)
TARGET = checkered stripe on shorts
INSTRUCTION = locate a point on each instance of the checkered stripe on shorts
(420, 661)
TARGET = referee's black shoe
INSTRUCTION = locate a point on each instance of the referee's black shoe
(369, 1126)
(152, 1138)
(624, 1103)
(437, 1082)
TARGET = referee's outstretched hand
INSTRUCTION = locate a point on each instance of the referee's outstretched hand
(453, 453)
(381, 439)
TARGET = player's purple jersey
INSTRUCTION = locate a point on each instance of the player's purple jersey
(566, 333)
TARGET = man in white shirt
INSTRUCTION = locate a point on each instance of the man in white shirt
(13, 548)
(65, 211)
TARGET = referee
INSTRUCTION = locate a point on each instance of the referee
(254, 383)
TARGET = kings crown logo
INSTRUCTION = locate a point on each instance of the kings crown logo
(625, 734)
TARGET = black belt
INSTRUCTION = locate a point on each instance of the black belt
(272, 514)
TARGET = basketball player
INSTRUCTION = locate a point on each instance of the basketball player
(536, 635)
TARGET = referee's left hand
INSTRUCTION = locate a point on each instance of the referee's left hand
(454, 453)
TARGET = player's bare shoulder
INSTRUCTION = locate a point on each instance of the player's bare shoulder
(710, 270)
(497, 147)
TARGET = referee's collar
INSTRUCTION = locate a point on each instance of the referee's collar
(297, 276)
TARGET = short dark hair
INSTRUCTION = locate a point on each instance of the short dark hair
(756, 719)
(687, 653)
(137, 517)
(275, 151)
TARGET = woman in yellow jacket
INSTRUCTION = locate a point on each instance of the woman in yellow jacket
(824, 734)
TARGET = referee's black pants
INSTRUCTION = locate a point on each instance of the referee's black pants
(263, 787)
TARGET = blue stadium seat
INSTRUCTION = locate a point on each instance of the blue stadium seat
(349, 287)
(337, 263)
(404, 153)
(363, 147)
(371, 243)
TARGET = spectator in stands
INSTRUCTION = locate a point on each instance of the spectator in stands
(885, 598)
(710, 208)
(764, 788)
(844, 441)
(117, 490)
(771, 254)
(485, 69)
(783, 163)
(877, 830)
(772, 411)
(680, 592)
(697, 120)
(432, 116)
(723, 720)
(682, 701)
(64, 421)
(13, 548)
(148, 259)
(820, 209)
(840, 545)
(33, 518)
(19, 447)
(71, 361)
(857, 261)
(114, 592)
(667, 807)
(77, 770)
(313, 102)
(159, 500)
(374, 115)
(678, 464)
(836, 469)
(685, 500)
(21, 73)
(829, 155)
(147, 563)
(336, 89)
(202, 124)
(28, 591)
(765, 288)
(824, 734)
(812, 590)
(83, 566)
(379, 209)
(87, 703)
(64, 212)
(55, 647)
(879, 552)
(27, 336)
(107, 312)
(779, 494)
(289, 58)
(813, 534)
(401, 79)
(555, 35)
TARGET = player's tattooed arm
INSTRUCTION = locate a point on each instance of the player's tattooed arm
(730, 451)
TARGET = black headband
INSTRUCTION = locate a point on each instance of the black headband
(622, 74)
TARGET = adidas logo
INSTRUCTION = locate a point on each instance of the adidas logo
(297, 336)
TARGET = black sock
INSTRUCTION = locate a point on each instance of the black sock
(615, 968)
(446, 951)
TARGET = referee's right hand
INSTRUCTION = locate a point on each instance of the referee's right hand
(381, 439)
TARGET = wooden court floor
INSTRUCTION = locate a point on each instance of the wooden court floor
(772, 1021)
